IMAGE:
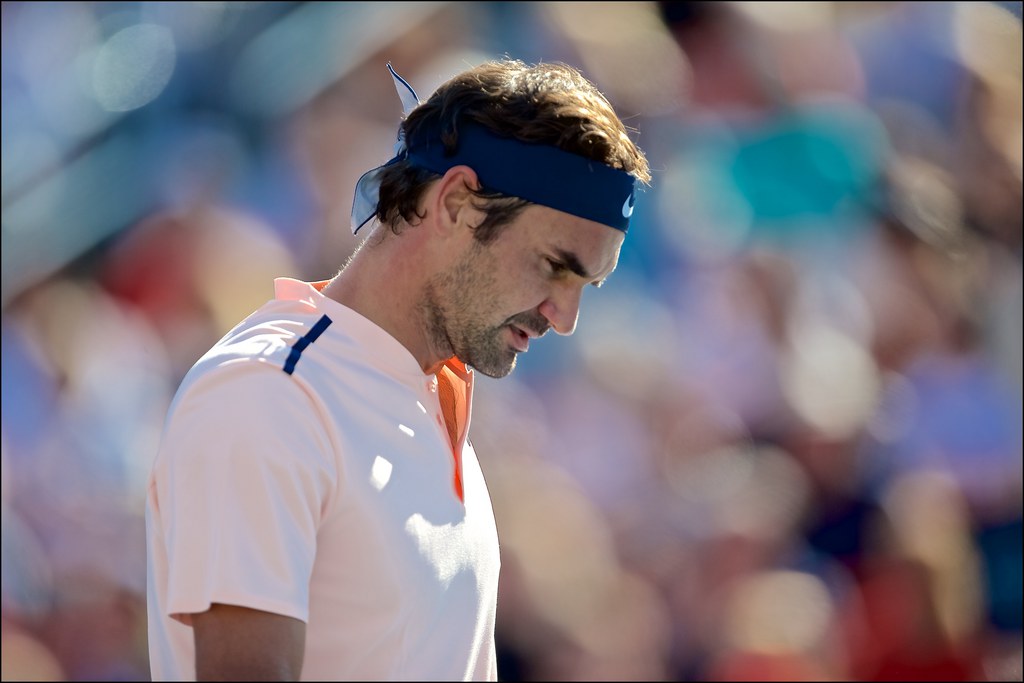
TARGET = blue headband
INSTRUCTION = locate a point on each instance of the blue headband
(541, 174)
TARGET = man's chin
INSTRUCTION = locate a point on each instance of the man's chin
(495, 370)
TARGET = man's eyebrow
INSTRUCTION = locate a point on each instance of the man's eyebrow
(572, 262)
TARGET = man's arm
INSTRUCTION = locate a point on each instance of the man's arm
(242, 644)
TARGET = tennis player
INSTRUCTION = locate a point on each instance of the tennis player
(316, 510)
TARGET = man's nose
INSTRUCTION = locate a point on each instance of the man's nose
(562, 309)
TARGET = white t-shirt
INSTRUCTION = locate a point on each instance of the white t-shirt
(307, 469)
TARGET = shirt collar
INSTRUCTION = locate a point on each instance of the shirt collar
(373, 339)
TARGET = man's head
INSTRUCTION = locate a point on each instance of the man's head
(544, 104)
(504, 268)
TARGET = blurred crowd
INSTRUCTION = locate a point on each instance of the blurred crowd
(785, 442)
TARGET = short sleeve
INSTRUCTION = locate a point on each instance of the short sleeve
(243, 476)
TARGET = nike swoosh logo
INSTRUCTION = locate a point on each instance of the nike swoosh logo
(627, 207)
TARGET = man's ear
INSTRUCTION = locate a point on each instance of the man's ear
(455, 198)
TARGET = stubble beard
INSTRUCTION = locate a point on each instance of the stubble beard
(455, 303)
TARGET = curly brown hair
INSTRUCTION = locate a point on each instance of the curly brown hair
(547, 103)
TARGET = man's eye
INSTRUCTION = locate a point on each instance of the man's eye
(556, 266)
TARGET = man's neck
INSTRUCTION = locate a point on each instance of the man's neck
(384, 282)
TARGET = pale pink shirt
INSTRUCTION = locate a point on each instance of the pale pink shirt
(330, 495)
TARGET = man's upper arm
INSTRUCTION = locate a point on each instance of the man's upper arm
(242, 644)
(245, 471)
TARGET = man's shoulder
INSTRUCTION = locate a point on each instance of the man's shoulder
(258, 344)
(289, 341)
(265, 336)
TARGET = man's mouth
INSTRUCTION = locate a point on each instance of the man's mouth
(520, 339)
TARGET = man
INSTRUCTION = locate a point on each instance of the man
(316, 509)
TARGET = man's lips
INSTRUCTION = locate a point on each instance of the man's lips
(520, 339)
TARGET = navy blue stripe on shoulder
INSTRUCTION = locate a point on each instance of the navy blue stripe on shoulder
(305, 340)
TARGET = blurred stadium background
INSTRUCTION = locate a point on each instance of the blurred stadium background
(785, 441)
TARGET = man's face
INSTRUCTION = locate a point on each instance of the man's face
(495, 297)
